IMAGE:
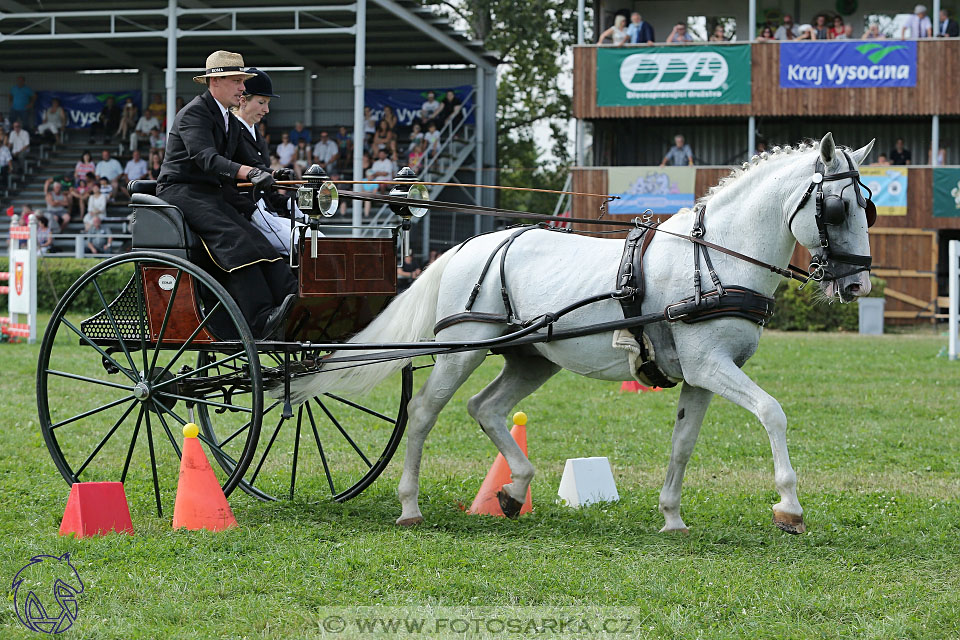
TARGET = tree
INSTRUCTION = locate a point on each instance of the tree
(533, 39)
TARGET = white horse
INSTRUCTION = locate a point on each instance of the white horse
(755, 211)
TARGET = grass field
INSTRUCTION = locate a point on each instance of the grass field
(874, 436)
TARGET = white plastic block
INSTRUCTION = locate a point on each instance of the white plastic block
(587, 480)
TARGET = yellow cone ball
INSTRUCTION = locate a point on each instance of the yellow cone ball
(520, 418)
(190, 430)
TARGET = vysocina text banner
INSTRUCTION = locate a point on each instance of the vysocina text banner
(848, 64)
(82, 109)
(690, 74)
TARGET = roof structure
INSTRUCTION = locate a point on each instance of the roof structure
(66, 35)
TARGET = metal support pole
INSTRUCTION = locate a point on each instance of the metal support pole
(171, 77)
(954, 272)
(935, 140)
(478, 117)
(581, 14)
(578, 141)
(935, 18)
(751, 136)
(752, 21)
(359, 69)
(307, 98)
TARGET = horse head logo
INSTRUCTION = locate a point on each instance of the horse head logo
(45, 594)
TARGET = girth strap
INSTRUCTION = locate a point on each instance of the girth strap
(505, 245)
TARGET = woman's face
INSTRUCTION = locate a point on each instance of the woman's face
(821, 21)
(450, 95)
(383, 126)
(838, 22)
(253, 108)
(718, 30)
(85, 157)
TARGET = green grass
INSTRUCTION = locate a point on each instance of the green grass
(874, 436)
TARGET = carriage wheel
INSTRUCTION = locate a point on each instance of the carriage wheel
(351, 440)
(112, 403)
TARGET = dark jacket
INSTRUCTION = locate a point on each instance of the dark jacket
(953, 28)
(276, 200)
(644, 35)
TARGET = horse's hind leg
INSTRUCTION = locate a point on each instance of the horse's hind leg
(449, 373)
(521, 376)
(690, 411)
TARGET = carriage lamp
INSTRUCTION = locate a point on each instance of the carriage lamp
(413, 190)
(317, 197)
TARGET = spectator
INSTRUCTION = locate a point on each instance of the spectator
(96, 206)
(407, 272)
(80, 193)
(432, 136)
(720, 36)
(761, 147)
(640, 32)
(128, 119)
(679, 34)
(873, 33)
(679, 155)
(766, 35)
(881, 161)
(22, 99)
(98, 237)
(275, 162)
(899, 155)
(158, 143)
(54, 120)
(136, 167)
(948, 28)
(367, 167)
(369, 124)
(819, 30)
(787, 30)
(286, 150)
(106, 189)
(416, 136)
(837, 29)
(344, 142)
(158, 106)
(389, 117)
(6, 160)
(302, 159)
(108, 121)
(153, 169)
(384, 138)
(418, 155)
(147, 122)
(84, 166)
(430, 109)
(58, 202)
(918, 25)
(617, 33)
(298, 133)
(19, 141)
(44, 237)
(847, 33)
(4, 124)
(382, 169)
(450, 110)
(108, 168)
(178, 103)
(326, 153)
(941, 156)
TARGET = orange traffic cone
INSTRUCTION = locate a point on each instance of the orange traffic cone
(634, 386)
(486, 502)
(96, 509)
(200, 501)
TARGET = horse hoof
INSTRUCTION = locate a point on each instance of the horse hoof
(789, 522)
(509, 506)
(409, 522)
(683, 531)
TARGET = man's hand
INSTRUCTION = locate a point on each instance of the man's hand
(262, 180)
(283, 174)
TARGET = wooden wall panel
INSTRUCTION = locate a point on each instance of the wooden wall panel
(936, 60)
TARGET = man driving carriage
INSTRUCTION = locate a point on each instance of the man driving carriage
(204, 158)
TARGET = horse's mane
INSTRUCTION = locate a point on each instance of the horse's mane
(776, 153)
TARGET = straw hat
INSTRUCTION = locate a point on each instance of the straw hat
(223, 63)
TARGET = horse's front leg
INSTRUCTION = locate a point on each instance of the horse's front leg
(690, 411)
(724, 377)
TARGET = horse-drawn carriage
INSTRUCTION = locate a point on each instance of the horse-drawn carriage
(167, 344)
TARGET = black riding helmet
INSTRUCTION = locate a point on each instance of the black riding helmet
(259, 85)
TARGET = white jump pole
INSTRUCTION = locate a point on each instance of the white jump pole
(954, 271)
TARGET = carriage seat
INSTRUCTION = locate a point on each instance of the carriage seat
(160, 226)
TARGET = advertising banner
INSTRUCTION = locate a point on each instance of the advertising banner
(848, 64)
(660, 189)
(889, 187)
(21, 286)
(718, 74)
(406, 103)
(946, 192)
(82, 109)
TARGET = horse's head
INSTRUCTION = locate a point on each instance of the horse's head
(830, 217)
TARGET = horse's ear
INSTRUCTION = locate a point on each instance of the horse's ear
(861, 154)
(828, 151)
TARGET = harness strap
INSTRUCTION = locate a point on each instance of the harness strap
(470, 316)
(486, 267)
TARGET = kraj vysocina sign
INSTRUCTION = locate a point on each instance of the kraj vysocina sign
(849, 64)
(648, 76)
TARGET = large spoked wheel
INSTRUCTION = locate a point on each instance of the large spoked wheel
(115, 383)
(350, 440)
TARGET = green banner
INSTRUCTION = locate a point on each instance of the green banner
(946, 193)
(649, 76)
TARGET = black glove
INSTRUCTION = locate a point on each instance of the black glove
(262, 180)
(283, 174)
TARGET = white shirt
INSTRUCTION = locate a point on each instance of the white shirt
(286, 153)
(226, 114)
(109, 169)
(384, 166)
(96, 205)
(136, 169)
(5, 156)
(429, 108)
(324, 151)
(252, 129)
(144, 125)
(19, 140)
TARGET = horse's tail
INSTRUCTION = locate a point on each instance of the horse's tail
(410, 317)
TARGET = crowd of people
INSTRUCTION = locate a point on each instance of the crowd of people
(824, 26)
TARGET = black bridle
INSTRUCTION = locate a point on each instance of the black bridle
(833, 210)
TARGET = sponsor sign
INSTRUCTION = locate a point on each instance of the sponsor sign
(673, 75)
(660, 189)
(848, 64)
(406, 103)
(21, 289)
(82, 109)
(946, 192)
(889, 187)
